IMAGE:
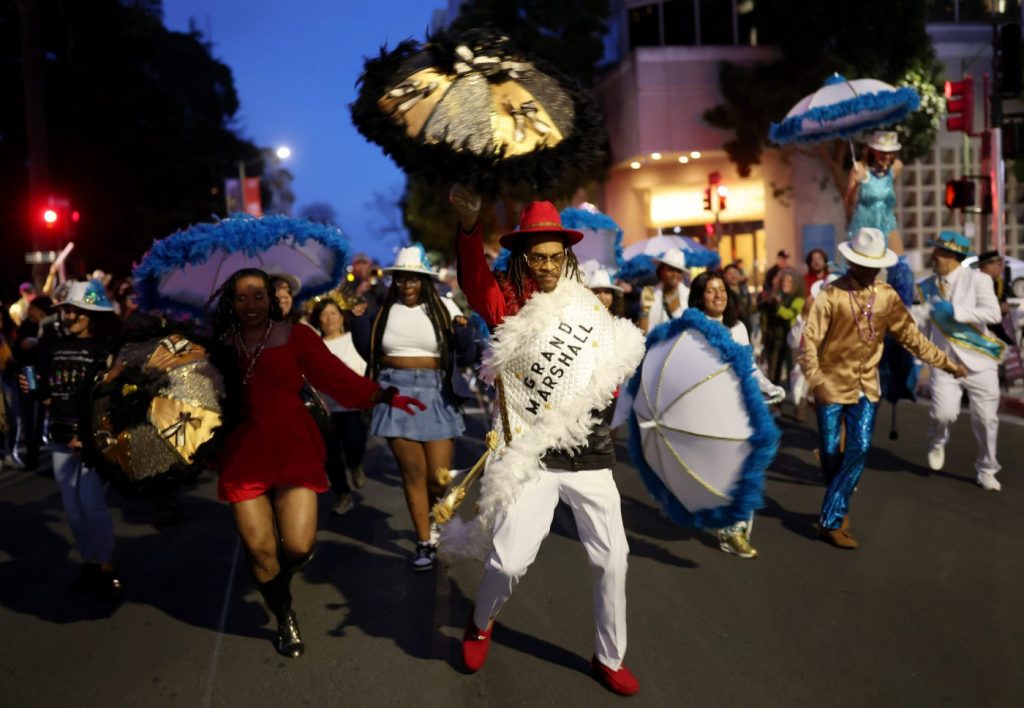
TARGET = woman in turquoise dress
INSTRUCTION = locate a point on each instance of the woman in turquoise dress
(871, 201)
(871, 194)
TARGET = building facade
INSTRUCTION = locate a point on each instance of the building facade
(664, 60)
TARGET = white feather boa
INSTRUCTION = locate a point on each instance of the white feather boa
(563, 426)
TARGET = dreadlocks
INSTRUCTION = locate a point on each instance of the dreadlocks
(518, 276)
(223, 316)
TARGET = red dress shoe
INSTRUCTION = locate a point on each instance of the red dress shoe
(475, 644)
(622, 682)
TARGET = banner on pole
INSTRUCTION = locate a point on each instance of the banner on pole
(252, 204)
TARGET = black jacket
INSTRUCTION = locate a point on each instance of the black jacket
(599, 452)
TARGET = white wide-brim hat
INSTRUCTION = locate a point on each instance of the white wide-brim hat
(294, 284)
(867, 248)
(885, 141)
(673, 257)
(602, 280)
(410, 260)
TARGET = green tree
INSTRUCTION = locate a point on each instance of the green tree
(881, 39)
(568, 33)
(139, 126)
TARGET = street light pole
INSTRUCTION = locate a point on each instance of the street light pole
(282, 153)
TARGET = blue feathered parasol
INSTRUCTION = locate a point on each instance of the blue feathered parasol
(180, 273)
(842, 108)
(602, 237)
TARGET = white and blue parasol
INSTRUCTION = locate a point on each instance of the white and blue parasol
(602, 237)
(180, 273)
(700, 433)
(638, 262)
(842, 108)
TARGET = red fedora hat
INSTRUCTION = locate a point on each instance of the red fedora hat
(539, 218)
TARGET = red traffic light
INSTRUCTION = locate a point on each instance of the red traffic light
(960, 105)
(959, 194)
(50, 217)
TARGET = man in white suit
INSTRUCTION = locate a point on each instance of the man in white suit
(958, 303)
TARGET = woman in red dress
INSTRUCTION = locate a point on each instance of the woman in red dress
(272, 463)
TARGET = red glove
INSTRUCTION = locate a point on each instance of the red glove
(406, 403)
(391, 396)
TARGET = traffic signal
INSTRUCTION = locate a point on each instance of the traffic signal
(56, 216)
(1006, 60)
(722, 192)
(959, 193)
(960, 105)
(707, 199)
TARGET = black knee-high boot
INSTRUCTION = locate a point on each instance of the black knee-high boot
(291, 567)
(278, 596)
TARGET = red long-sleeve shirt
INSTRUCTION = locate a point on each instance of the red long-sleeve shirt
(484, 294)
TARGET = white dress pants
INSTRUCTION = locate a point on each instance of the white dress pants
(983, 396)
(594, 500)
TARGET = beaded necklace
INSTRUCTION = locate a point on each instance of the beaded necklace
(866, 314)
(254, 356)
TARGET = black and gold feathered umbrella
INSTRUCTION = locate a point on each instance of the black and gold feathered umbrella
(158, 409)
(474, 109)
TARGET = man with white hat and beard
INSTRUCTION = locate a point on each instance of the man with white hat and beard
(842, 346)
(958, 303)
(667, 300)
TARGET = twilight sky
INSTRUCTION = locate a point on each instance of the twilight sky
(295, 67)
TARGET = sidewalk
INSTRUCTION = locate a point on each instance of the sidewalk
(1012, 402)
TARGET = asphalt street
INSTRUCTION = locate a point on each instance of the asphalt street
(927, 612)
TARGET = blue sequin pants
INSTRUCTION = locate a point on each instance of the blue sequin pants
(842, 469)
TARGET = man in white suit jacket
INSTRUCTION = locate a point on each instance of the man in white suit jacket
(958, 303)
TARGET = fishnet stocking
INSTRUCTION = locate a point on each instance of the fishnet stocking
(288, 523)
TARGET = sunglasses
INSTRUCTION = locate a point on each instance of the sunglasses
(536, 260)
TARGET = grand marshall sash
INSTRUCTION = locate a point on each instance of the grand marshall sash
(560, 358)
(960, 333)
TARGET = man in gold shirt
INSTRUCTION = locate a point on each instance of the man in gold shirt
(842, 345)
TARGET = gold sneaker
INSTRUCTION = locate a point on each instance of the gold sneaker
(737, 544)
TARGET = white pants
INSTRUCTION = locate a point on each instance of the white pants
(983, 397)
(594, 500)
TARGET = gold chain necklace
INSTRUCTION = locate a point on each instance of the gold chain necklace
(254, 356)
(867, 314)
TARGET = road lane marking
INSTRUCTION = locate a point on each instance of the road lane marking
(215, 658)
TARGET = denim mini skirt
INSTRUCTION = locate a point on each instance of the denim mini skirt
(440, 421)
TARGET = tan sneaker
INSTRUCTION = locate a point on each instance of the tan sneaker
(838, 538)
(358, 477)
(737, 544)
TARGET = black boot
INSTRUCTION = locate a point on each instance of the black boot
(88, 579)
(278, 597)
(290, 566)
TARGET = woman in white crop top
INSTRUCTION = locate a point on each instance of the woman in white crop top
(414, 342)
(346, 449)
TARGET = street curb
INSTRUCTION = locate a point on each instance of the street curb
(1011, 405)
